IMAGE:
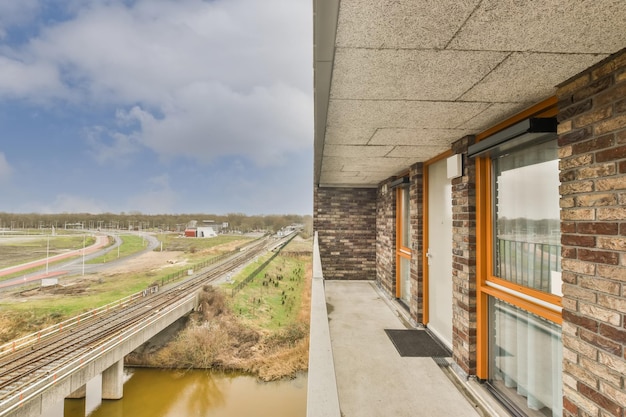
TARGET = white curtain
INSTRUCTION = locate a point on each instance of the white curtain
(528, 357)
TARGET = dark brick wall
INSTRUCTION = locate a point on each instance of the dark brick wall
(386, 239)
(345, 219)
(464, 261)
(592, 148)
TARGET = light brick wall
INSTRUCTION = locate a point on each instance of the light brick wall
(345, 219)
(416, 196)
(464, 261)
(386, 238)
(592, 147)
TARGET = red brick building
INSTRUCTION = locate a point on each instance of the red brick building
(470, 157)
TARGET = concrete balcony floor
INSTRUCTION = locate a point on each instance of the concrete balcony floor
(372, 378)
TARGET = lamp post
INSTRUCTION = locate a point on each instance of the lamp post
(47, 254)
(84, 239)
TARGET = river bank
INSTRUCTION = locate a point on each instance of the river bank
(263, 330)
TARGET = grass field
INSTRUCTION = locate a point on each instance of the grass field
(95, 290)
(173, 242)
(130, 244)
(273, 297)
(17, 250)
(23, 314)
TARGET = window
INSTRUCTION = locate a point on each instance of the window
(527, 229)
(525, 359)
(519, 268)
(403, 245)
(524, 348)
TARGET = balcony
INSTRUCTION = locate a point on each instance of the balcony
(355, 370)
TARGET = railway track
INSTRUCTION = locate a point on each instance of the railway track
(24, 365)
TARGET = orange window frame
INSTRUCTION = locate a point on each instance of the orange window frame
(484, 251)
(401, 251)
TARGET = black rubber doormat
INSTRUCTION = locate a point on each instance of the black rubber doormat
(416, 343)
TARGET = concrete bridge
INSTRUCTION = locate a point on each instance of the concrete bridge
(69, 379)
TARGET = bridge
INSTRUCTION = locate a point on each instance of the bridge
(41, 369)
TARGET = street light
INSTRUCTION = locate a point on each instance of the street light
(84, 239)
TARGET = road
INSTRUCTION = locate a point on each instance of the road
(77, 264)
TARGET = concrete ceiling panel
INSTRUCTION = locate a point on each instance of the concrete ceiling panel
(544, 26)
(354, 136)
(493, 115)
(404, 79)
(422, 24)
(529, 77)
(419, 153)
(417, 137)
(357, 151)
(409, 74)
(346, 114)
(375, 164)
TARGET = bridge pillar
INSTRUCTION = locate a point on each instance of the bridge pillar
(113, 381)
(79, 393)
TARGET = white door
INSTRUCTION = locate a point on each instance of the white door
(440, 252)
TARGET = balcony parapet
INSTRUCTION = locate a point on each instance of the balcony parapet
(322, 398)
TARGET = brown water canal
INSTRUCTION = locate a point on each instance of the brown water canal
(166, 393)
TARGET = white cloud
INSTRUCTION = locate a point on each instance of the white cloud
(5, 168)
(107, 146)
(29, 80)
(203, 79)
(210, 121)
(16, 12)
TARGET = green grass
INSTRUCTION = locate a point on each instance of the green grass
(103, 290)
(276, 304)
(97, 290)
(81, 298)
(173, 242)
(130, 244)
(18, 251)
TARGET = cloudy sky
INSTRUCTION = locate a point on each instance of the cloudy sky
(158, 106)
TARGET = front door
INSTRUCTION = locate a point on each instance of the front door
(439, 254)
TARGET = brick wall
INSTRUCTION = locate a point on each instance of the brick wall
(386, 238)
(345, 219)
(592, 142)
(416, 189)
(464, 261)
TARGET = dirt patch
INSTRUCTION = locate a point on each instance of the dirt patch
(148, 261)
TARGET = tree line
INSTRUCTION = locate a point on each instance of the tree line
(237, 222)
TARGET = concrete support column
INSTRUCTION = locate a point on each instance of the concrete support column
(79, 393)
(113, 381)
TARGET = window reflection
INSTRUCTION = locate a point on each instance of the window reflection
(406, 219)
(527, 220)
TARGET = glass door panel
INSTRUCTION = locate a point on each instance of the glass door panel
(403, 245)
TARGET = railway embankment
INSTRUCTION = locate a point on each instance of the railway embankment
(261, 329)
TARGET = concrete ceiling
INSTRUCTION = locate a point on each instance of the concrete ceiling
(397, 81)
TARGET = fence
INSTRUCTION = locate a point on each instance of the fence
(527, 263)
(183, 272)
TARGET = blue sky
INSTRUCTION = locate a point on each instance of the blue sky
(158, 106)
